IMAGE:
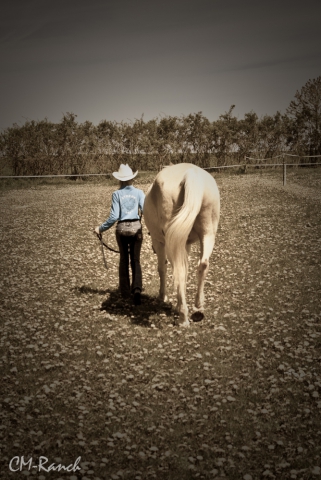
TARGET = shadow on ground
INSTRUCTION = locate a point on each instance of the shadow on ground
(151, 311)
(84, 289)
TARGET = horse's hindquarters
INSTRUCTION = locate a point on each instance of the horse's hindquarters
(181, 207)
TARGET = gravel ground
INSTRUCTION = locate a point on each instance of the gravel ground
(86, 375)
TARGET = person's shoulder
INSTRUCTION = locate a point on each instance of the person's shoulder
(115, 194)
(140, 192)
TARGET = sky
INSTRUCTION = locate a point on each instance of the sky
(120, 59)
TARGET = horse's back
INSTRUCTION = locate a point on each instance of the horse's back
(168, 183)
(170, 178)
(165, 197)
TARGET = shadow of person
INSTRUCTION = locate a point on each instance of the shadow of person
(84, 289)
(151, 311)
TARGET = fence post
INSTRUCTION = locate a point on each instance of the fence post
(245, 165)
(284, 172)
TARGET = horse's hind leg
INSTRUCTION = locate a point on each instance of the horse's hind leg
(182, 308)
(207, 244)
(162, 268)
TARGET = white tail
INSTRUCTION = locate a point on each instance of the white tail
(182, 223)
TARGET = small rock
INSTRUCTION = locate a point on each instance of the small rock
(316, 471)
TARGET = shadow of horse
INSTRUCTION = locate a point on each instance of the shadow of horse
(152, 311)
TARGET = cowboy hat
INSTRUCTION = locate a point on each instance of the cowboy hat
(124, 173)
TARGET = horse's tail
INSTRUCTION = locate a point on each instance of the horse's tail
(182, 223)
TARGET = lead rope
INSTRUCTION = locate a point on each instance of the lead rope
(103, 244)
(102, 250)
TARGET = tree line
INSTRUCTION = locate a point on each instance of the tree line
(67, 147)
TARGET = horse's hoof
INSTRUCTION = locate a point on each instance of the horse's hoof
(197, 316)
(163, 298)
(183, 323)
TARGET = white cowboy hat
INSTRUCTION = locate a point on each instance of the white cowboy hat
(124, 173)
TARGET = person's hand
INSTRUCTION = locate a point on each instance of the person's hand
(96, 230)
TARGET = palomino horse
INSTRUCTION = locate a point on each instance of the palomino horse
(181, 207)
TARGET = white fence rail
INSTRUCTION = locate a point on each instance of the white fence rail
(284, 164)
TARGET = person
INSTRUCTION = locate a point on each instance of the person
(127, 210)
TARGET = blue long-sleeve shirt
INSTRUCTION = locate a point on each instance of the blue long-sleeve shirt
(126, 203)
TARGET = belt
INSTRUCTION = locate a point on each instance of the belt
(130, 220)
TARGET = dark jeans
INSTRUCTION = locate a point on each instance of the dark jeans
(129, 248)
